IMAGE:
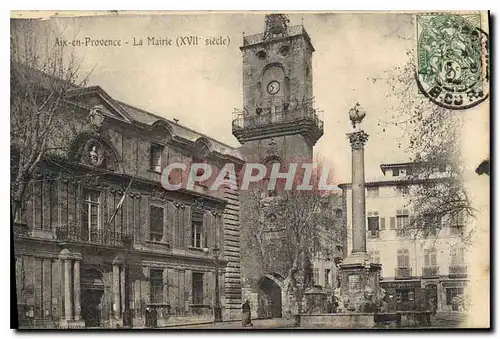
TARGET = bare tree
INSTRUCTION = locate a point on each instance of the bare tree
(42, 73)
(432, 140)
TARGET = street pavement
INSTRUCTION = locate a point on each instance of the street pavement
(276, 323)
(440, 320)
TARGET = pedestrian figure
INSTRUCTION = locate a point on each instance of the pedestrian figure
(246, 319)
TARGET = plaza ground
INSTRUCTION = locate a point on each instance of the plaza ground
(440, 320)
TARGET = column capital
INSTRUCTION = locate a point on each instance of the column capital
(357, 139)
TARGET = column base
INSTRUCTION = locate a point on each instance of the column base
(72, 323)
(116, 323)
(217, 314)
(359, 289)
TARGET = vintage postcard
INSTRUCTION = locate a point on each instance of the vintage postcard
(249, 170)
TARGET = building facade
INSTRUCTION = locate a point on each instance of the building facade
(99, 239)
(417, 270)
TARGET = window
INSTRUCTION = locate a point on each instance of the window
(373, 224)
(197, 229)
(452, 293)
(316, 276)
(327, 277)
(404, 190)
(431, 224)
(402, 222)
(405, 295)
(269, 166)
(155, 157)
(457, 219)
(457, 256)
(403, 258)
(395, 172)
(197, 288)
(91, 213)
(156, 286)
(430, 256)
(375, 256)
(156, 223)
(372, 191)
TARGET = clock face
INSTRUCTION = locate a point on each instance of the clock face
(273, 87)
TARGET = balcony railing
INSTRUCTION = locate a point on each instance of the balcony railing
(256, 38)
(458, 271)
(285, 114)
(373, 233)
(403, 273)
(95, 237)
(430, 271)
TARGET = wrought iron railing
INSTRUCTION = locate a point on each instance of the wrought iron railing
(105, 237)
(279, 115)
(457, 271)
(430, 271)
(256, 38)
(403, 273)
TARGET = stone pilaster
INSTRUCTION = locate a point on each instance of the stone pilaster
(76, 289)
(116, 290)
(68, 303)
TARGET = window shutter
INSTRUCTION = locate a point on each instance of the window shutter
(206, 221)
(382, 223)
(393, 223)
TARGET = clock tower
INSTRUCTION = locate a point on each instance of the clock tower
(278, 123)
(278, 116)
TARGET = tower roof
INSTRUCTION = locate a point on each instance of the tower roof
(276, 28)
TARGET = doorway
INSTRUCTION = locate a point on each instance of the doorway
(91, 307)
(91, 298)
(269, 298)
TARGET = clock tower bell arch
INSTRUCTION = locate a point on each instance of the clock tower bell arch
(278, 103)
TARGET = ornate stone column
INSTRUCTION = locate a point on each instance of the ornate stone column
(76, 288)
(359, 278)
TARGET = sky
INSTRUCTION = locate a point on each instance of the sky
(202, 85)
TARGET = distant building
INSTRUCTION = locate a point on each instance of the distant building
(416, 270)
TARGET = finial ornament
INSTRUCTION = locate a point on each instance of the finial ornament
(276, 26)
(96, 117)
(356, 115)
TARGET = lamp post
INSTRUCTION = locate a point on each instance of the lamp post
(217, 308)
(127, 313)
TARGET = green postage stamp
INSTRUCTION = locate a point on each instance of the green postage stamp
(452, 62)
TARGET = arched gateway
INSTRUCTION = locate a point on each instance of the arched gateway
(270, 303)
